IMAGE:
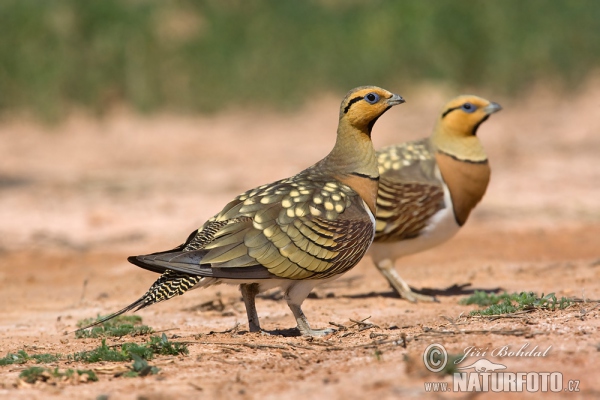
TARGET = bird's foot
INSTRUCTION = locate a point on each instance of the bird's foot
(304, 326)
(316, 332)
(415, 297)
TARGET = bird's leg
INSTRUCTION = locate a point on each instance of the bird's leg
(303, 325)
(295, 296)
(386, 267)
(249, 292)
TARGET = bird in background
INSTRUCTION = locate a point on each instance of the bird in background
(294, 233)
(428, 187)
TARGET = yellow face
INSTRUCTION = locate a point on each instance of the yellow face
(463, 115)
(363, 105)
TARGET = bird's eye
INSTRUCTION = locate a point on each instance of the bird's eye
(468, 107)
(372, 98)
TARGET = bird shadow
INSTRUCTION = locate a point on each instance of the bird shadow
(457, 290)
(453, 290)
(289, 332)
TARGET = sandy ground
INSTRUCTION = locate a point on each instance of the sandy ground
(76, 199)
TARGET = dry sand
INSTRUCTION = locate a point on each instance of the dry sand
(76, 199)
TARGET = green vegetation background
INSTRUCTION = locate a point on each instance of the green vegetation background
(202, 56)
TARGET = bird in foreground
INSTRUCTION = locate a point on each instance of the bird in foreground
(428, 187)
(294, 233)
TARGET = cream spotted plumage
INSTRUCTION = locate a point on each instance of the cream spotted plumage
(428, 187)
(293, 233)
(404, 203)
(294, 229)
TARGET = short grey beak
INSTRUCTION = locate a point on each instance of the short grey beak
(492, 108)
(395, 100)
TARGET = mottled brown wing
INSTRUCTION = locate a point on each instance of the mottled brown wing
(300, 228)
(404, 208)
(353, 238)
(409, 191)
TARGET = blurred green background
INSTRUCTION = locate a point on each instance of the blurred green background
(202, 56)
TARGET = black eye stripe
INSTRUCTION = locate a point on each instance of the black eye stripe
(448, 111)
(354, 100)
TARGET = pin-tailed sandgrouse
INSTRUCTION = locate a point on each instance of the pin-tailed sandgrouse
(294, 233)
(428, 187)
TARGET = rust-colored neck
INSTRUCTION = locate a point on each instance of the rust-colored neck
(466, 181)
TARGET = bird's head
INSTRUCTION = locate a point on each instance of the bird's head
(463, 115)
(455, 132)
(363, 105)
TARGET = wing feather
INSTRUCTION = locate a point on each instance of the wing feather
(278, 229)
(410, 191)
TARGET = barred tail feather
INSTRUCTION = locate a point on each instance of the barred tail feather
(140, 303)
(169, 285)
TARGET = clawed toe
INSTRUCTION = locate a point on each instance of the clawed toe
(416, 297)
(317, 332)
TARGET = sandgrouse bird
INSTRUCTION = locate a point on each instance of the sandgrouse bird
(428, 187)
(294, 233)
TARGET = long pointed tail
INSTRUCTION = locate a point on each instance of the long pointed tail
(169, 285)
(140, 303)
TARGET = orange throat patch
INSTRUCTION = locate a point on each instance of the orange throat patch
(466, 181)
(365, 187)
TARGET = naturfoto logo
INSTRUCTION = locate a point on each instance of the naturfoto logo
(486, 375)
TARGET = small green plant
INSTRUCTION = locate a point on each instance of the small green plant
(45, 358)
(102, 353)
(510, 303)
(34, 374)
(140, 367)
(378, 355)
(156, 346)
(117, 327)
(21, 357)
(484, 299)
(161, 345)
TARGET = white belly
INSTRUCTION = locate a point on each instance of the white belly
(440, 227)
